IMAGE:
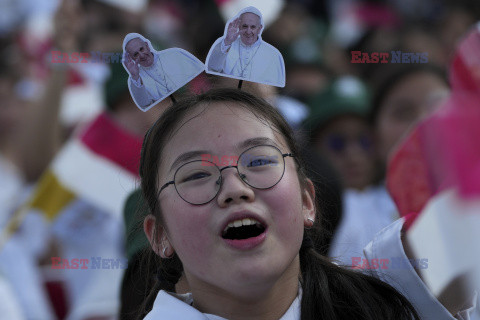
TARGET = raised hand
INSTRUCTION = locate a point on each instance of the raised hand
(232, 31)
(131, 66)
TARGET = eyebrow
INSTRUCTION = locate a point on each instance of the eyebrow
(190, 155)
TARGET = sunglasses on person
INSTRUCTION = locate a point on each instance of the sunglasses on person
(338, 142)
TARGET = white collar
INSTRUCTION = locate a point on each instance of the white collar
(172, 306)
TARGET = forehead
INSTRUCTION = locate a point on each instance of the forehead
(250, 18)
(135, 44)
(218, 128)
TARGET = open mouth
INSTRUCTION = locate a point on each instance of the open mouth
(243, 229)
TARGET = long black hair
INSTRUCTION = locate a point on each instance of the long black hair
(329, 291)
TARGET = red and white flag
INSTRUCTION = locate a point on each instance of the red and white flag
(434, 177)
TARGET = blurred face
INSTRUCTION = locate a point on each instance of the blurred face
(413, 98)
(347, 143)
(197, 232)
(250, 28)
(139, 51)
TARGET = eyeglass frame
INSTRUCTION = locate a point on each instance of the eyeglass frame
(284, 155)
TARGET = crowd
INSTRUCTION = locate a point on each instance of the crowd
(359, 76)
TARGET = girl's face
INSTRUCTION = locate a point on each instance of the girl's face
(195, 231)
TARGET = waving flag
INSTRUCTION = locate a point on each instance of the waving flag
(99, 166)
(434, 178)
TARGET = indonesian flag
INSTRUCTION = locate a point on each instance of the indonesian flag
(434, 177)
(99, 166)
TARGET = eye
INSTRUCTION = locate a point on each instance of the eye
(195, 176)
(261, 162)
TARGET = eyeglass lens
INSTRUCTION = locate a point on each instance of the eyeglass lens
(199, 181)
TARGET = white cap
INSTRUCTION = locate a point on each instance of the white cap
(132, 36)
(254, 11)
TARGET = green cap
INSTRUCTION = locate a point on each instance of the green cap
(344, 96)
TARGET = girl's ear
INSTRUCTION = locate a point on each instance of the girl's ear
(157, 237)
(308, 203)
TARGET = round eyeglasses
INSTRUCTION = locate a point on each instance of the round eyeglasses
(199, 181)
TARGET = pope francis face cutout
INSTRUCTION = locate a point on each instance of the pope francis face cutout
(242, 54)
(155, 75)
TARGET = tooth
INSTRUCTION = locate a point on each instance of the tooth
(237, 223)
(246, 222)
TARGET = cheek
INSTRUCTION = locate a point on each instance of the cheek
(187, 228)
(286, 203)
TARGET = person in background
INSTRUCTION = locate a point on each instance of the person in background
(404, 96)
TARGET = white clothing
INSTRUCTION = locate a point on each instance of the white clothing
(18, 257)
(86, 232)
(294, 111)
(169, 306)
(9, 307)
(260, 62)
(365, 213)
(172, 68)
(386, 244)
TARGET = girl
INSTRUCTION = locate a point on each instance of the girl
(232, 211)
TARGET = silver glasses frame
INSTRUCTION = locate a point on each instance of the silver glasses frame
(242, 176)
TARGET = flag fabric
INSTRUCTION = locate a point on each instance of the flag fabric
(82, 194)
(434, 177)
(100, 166)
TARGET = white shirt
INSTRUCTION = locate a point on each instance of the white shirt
(365, 213)
(170, 306)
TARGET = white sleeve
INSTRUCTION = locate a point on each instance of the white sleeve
(138, 83)
(399, 273)
(139, 93)
(218, 56)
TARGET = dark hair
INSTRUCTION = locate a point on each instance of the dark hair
(329, 291)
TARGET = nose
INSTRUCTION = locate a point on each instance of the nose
(233, 189)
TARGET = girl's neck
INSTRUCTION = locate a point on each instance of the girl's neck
(266, 302)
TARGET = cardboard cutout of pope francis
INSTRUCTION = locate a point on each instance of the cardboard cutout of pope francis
(155, 75)
(242, 54)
